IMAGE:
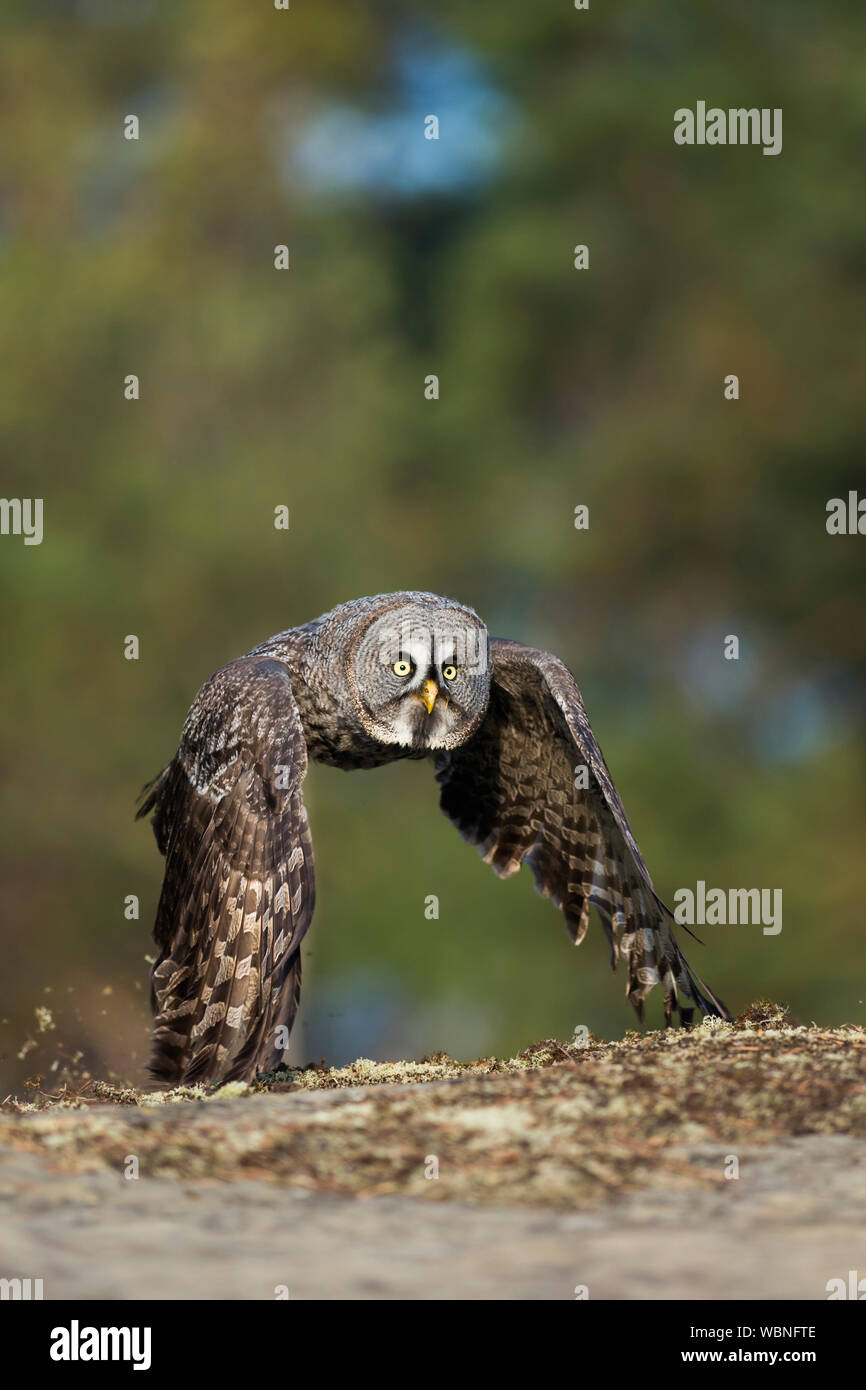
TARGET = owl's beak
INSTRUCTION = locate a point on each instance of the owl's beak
(427, 694)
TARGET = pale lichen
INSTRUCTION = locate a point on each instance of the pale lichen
(560, 1125)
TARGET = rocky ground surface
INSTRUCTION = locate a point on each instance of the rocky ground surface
(722, 1161)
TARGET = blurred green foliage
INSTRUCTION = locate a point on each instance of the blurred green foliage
(558, 387)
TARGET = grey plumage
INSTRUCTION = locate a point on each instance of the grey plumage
(377, 679)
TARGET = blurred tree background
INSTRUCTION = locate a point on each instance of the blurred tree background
(558, 387)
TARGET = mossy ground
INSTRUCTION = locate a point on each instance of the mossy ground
(558, 1126)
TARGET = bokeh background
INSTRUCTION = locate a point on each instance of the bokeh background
(557, 388)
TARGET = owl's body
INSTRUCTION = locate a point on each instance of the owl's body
(406, 675)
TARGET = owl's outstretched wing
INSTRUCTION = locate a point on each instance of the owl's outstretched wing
(515, 791)
(238, 892)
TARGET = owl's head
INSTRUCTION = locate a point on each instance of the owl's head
(419, 669)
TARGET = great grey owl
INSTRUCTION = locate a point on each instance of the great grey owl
(405, 675)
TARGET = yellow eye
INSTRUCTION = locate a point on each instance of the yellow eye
(401, 668)
(449, 672)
